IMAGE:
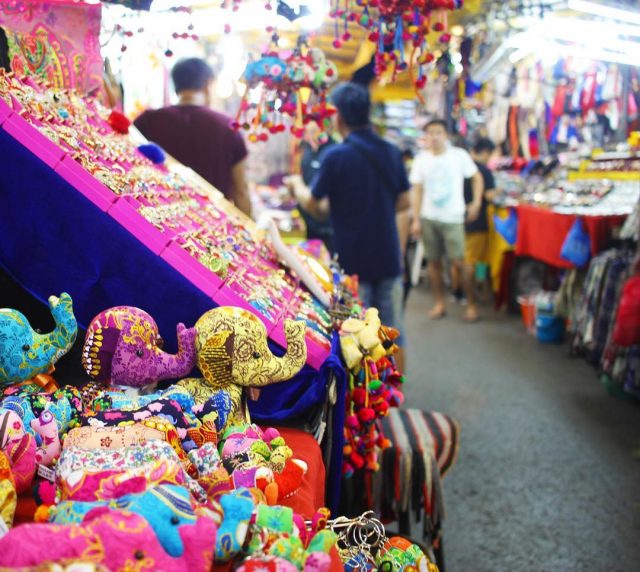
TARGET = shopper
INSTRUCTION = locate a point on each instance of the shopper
(314, 146)
(477, 231)
(437, 176)
(407, 243)
(198, 136)
(360, 186)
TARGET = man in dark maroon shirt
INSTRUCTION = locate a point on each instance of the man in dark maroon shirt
(198, 136)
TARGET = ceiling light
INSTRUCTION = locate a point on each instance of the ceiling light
(604, 10)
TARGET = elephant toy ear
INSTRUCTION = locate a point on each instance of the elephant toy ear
(215, 357)
(97, 353)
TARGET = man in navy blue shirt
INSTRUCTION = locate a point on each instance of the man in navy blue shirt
(361, 186)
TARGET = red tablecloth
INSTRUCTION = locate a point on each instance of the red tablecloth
(310, 497)
(542, 232)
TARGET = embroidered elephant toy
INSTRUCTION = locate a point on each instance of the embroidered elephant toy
(214, 410)
(261, 459)
(8, 495)
(237, 508)
(400, 555)
(122, 348)
(119, 540)
(360, 338)
(25, 353)
(375, 383)
(233, 354)
(45, 416)
(269, 69)
(46, 428)
(288, 540)
(164, 507)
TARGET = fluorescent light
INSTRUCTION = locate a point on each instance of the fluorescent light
(579, 34)
(519, 54)
(584, 32)
(528, 42)
(594, 27)
(605, 11)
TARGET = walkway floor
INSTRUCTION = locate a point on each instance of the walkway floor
(548, 476)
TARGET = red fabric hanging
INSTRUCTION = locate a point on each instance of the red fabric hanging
(626, 331)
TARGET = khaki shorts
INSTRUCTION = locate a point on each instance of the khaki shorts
(443, 238)
(476, 246)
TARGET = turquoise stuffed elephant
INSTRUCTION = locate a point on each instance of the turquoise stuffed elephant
(165, 508)
(25, 353)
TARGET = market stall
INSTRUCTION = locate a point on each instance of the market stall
(84, 189)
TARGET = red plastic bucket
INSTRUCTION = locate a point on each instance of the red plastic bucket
(528, 311)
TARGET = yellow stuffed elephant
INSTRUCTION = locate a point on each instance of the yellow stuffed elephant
(233, 354)
(368, 337)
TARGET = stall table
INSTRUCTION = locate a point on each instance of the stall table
(541, 233)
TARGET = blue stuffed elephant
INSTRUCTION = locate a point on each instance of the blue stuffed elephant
(164, 507)
(269, 68)
(25, 353)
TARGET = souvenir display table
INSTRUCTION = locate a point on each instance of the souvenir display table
(46, 188)
(276, 203)
(543, 212)
(548, 208)
(166, 207)
(541, 233)
(91, 210)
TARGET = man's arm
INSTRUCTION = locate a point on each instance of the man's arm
(403, 210)
(491, 194)
(477, 185)
(490, 191)
(317, 208)
(241, 197)
(417, 192)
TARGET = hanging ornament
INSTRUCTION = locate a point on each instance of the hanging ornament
(400, 30)
(292, 13)
(286, 90)
(186, 29)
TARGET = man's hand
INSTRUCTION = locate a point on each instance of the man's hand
(473, 212)
(416, 229)
(296, 185)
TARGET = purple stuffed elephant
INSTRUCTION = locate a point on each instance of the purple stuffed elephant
(123, 348)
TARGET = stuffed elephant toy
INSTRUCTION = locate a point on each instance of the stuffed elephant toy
(25, 353)
(233, 353)
(8, 495)
(399, 555)
(164, 507)
(270, 69)
(123, 348)
(365, 338)
(326, 72)
(45, 416)
(120, 540)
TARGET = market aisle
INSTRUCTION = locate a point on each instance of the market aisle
(546, 479)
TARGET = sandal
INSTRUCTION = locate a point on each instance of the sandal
(433, 315)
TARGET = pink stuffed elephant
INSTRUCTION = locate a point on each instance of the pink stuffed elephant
(119, 540)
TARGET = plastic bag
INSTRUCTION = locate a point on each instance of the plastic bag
(507, 228)
(626, 331)
(577, 245)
